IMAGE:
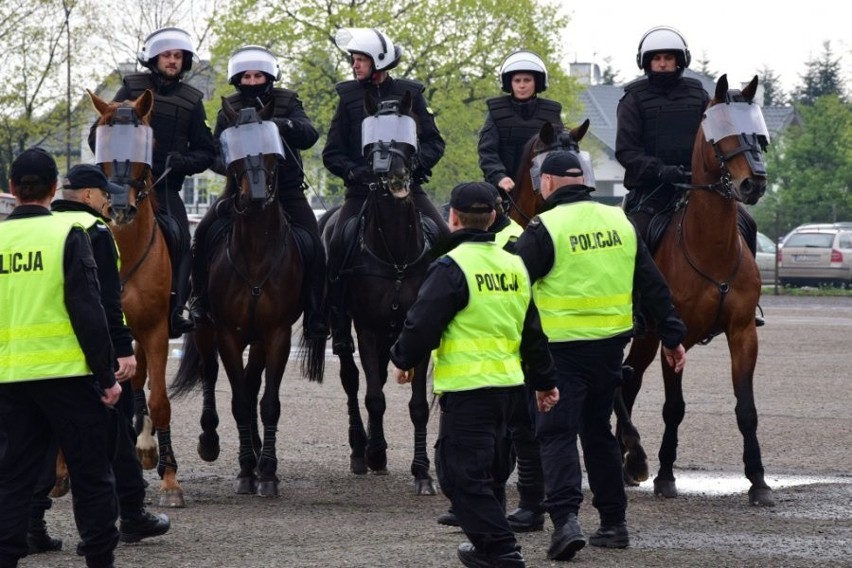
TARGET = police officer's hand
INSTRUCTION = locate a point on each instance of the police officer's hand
(360, 174)
(506, 184)
(283, 124)
(403, 376)
(110, 396)
(674, 174)
(126, 368)
(545, 400)
(177, 162)
(675, 357)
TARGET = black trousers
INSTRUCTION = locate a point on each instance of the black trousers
(525, 452)
(69, 410)
(472, 466)
(588, 372)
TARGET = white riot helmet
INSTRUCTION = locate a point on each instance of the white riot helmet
(166, 39)
(252, 58)
(662, 38)
(523, 61)
(372, 43)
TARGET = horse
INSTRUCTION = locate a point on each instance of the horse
(123, 149)
(714, 281)
(525, 201)
(255, 283)
(382, 276)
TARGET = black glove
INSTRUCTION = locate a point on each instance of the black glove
(360, 174)
(674, 174)
(283, 124)
(421, 175)
(177, 162)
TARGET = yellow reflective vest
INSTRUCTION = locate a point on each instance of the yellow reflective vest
(510, 232)
(588, 294)
(481, 346)
(36, 338)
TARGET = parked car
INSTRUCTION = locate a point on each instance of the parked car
(817, 254)
(766, 251)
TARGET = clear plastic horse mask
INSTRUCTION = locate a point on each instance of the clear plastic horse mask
(387, 130)
(585, 161)
(124, 143)
(252, 139)
(731, 119)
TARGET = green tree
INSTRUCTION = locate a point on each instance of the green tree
(456, 60)
(810, 169)
(773, 94)
(702, 65)
(823, 77)
(610, 74)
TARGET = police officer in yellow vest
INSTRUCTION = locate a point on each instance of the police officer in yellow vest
(585, 260)
(475, 307)
(56, 366)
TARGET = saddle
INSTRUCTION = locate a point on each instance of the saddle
(176, 239)
(351, 239)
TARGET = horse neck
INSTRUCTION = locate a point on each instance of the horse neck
(710, 218)
(256, 231)
(134, 237)
(393, 231)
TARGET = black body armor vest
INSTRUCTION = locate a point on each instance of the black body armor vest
(515, 131)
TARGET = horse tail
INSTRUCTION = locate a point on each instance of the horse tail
(312, 353)
(189, 374)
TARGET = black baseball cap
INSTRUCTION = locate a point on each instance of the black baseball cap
(83, 176)
(474, 197)
(33, 165)
(562, 164)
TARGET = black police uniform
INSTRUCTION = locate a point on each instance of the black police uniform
(442, 295)
(588, 373)
(509, 125)
(298, 134)
(182, 142)
(33, 412)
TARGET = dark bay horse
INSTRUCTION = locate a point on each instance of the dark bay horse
(255, 284)
(525, 201)
(123, 150)
(382, 276)
(713, 277)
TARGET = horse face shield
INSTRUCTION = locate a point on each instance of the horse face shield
(386, 136)
(121, 147)
(251, 142)
(585, 162)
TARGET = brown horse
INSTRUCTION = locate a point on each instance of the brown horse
(713, 277)
(255, 283)
(145, 275)
(524, 200)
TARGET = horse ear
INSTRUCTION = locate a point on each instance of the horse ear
(100, 105)
(578, 132)
(144, 104)
(370, 106)
(546, 133)
(229, 111)
(405, 106)
(750, 89)
(721, 88)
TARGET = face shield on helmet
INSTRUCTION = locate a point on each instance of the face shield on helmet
(252, 58)
(525, 61)
(662, 38)
(166, 39)
(370, 42)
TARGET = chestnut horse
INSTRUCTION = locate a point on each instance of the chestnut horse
(524, 200)
(145, 274)
(713, 278)
(383, 275)
(255, 283)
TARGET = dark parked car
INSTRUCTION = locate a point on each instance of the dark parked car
(817, 254)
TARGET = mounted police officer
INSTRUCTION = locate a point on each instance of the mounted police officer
(373, 55)
(585, 260)
(514, 118)
(658, 118)
(183, 146)
(475, 308)
(253, 70)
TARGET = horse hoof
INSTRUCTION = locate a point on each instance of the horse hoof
(665, 488)
(267, 488)
(629, 481)
(424, 487)
(636, 466)
(61, 487)
(148, 458)
(761, 497)
(245, 486)
(208, 446)
(358, 466)
(383, 471)
(172, 498)
(378, 462)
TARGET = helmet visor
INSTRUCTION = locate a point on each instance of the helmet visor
(389, 129)
(124, 142)
(251, 139)
(730, 119)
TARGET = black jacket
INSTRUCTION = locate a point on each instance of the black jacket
(82, 299)
(444, 293)
(342, 152)
(536, 248)
(106, 256)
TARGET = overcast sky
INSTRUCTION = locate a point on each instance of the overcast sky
(736, 37)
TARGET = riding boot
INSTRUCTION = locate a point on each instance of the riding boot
(341, 324)
(748, 229)
(313, 285)
(178, 322)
